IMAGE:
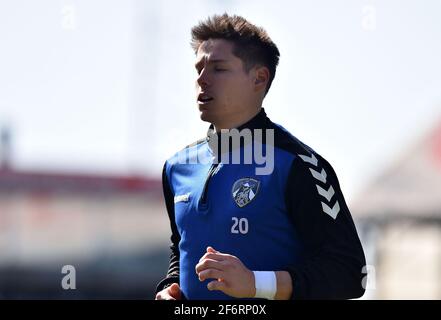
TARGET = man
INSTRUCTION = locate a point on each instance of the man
(286, 233)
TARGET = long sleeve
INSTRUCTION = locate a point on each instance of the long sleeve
(334, 257)
(173, 269)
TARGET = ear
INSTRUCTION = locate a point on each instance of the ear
(261, 78)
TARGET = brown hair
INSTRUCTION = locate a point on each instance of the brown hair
(250, 43)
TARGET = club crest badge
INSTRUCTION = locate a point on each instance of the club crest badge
(244, 191)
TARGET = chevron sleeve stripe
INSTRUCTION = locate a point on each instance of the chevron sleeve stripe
(333, 266)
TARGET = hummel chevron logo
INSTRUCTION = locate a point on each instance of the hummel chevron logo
(332, 212)
(327, 194)
(312, 160)
(320, 176)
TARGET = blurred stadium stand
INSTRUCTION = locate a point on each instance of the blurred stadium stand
(399, 216)
(113, 229)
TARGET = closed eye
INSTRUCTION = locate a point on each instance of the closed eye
(215, 69)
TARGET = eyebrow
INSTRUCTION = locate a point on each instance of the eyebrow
(210, 61)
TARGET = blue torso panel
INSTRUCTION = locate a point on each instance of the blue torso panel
(242, 214)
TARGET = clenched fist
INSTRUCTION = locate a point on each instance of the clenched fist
(232, 277)
(170, 293)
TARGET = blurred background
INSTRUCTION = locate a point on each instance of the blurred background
(96, 95)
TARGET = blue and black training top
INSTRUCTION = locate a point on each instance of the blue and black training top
(293, 217)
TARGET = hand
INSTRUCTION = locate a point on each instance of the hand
(232, 277)
(170, 293)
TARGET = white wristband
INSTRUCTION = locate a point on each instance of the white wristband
(266, 284)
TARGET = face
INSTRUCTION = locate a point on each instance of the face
(225, 93)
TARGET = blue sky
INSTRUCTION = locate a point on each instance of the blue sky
(108, 86)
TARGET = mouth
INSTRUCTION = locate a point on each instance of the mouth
(204, 98)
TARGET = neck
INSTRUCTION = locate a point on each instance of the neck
(238, 122)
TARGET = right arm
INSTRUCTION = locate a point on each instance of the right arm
(173, 269)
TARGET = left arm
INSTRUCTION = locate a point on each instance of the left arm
(334, 258)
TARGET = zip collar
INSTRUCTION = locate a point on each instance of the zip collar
(259, 121)
(214, 139)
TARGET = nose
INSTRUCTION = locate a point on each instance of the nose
(202, 79)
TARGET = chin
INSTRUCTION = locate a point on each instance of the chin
(205, 116)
